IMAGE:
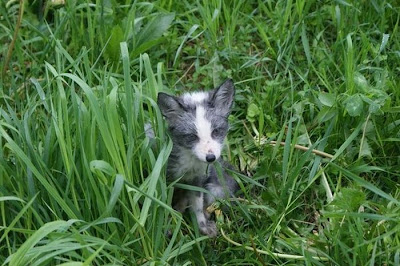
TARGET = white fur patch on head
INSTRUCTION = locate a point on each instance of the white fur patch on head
(194, 97)
(206, 144)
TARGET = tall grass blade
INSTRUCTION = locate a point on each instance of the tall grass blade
(19, 257)
(365, 184)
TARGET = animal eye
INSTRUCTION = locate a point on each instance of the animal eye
(191, 137)
(217, 132)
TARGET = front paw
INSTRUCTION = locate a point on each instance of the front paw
(208, 228)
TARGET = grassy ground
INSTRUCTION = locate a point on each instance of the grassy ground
(80, 184)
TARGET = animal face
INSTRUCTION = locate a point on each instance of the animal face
(199, 121)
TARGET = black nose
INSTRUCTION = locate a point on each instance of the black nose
(210, 158)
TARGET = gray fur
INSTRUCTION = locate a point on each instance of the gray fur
(180, 113)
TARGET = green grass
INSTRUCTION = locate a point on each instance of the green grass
(80, 184)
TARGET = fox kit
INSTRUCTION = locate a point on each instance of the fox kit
(198, 124)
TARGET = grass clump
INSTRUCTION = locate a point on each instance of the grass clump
(80, 183)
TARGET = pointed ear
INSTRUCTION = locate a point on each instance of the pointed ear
(222, 97)
(168, 104)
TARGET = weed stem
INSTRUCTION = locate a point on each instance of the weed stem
(279, 255)
(303, 148)
(12, 44)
